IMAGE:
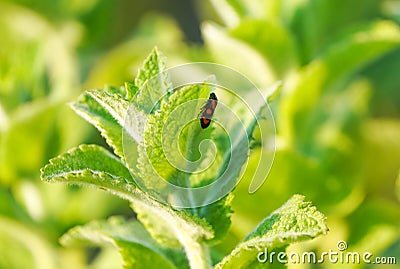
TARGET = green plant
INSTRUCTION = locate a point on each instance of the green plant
(164, 236)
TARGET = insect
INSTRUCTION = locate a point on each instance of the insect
(207, 111)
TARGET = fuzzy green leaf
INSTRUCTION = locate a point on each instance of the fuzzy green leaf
(174, 228)
(95, 167)
(218, 215)
(105, 109)
(131, 90)
(152, 81)
(136, 247)
(155, 166)
(113, 103)
(85, 158)
(295, 221)
(163, 127)
(168, 143)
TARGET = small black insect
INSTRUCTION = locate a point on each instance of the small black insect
(208, 111)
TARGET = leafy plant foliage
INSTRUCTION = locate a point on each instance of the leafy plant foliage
(162, 235)
(337, 119)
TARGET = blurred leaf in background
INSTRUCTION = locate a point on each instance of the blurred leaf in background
(37, 74)
(337, 117)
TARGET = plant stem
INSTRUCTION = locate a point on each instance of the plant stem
(196, 252)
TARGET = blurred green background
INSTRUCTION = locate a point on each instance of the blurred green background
(337, 117)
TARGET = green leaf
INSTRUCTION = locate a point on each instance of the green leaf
(272, 41)
(323, 130)
(225, 49)
(106, 111)
(112, 102)
(295, 221)
(95, 167)
(226, 11)
(19, 157)
(239, 7)
(234, 162)
(233, 10)
(316, 25)
(174, 228)
(152, 81)
(168, 132)
(85, 159)
(10, 208)
(160, 139)
(169, 232)
(135, 245)
(155, 165)
(22, 247)
(131, 90)
(328, 75)
(218, 215)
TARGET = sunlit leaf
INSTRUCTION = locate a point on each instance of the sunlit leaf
(98, 168)
(106, 111)
(135, 245)
(153, 81)
(225, 49)
(295, 221)
(271, 40)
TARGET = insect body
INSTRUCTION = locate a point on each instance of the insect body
(208, 110)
